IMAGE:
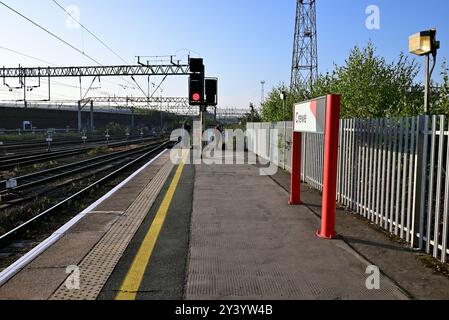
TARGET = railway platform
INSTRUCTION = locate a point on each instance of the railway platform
(206, 232)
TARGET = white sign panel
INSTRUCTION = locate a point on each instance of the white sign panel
(310, 117)
(11, 184)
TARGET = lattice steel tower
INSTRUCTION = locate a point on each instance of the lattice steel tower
(305, 48)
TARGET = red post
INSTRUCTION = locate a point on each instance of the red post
(295, 185)
(330, 168)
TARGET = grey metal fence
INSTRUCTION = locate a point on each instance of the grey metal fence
(394, 172)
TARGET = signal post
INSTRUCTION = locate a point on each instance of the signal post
(202, 92)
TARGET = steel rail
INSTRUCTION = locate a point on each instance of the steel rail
(88, 145)
(80, 193)
(42, 142)
(39, 157)
(75, 168)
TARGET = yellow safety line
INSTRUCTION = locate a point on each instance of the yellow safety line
(134, 277)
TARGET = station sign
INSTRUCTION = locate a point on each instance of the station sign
(310, 117)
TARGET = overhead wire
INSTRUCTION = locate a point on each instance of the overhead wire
(54, 35)
(26, 55)
(144, 93)
(57, 83)
(98, 39)
(90, 32)
(68, 44)
(49, 32)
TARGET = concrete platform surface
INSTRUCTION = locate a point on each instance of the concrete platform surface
(408, 268)
(42, 277)
(247, 243)
(228, 234)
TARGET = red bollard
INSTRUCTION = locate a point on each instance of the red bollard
(330, 168)
(295, 184)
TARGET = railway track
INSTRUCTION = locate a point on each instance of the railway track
(10, 162)
(81, 146)
(109, 166)
(37, 184)
(42, 143)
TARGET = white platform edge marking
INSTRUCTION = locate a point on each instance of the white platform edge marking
(20, 264)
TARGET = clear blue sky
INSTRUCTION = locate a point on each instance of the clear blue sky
(242, 42)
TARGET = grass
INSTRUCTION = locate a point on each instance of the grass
(21, 138)
(27, 137)
(431, 262)
(11, 219)
(40, 166)
(98, 151)
(10, 174)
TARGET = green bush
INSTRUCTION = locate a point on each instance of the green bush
(370, 87)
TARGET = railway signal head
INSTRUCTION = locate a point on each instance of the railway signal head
(211, 92)
(196, 82)
(196, 97)
(196, 65)
(196, 89)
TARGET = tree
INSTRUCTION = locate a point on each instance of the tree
(441, 106)
(252, 116)
(368, 84)
(371, 87)
(272, 108)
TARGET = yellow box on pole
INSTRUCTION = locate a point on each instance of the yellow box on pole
(420, 43)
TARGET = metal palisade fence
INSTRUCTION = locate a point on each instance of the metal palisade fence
(392, 171)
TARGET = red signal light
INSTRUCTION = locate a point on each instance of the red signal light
(196, 97)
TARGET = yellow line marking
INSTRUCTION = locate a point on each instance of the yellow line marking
(134, 277)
